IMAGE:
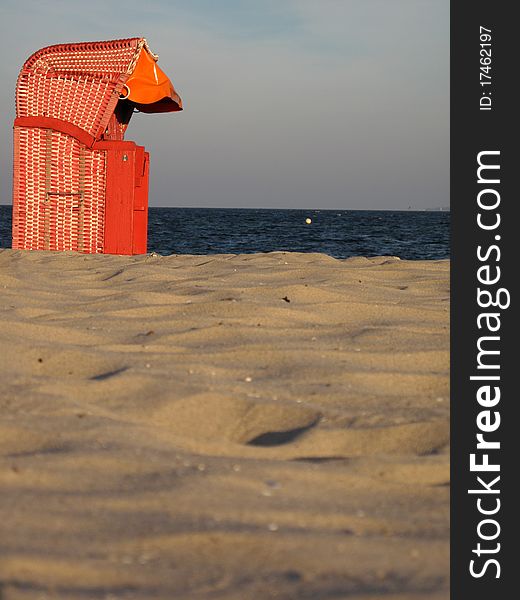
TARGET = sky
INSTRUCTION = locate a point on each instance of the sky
(287, 103)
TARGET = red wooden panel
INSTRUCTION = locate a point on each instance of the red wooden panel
(141, 201)
(119, 208)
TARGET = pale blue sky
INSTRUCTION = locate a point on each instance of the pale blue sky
(288, 103)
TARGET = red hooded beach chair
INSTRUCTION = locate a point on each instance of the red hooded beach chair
(78, 185)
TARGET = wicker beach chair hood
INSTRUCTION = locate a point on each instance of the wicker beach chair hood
(82, 83)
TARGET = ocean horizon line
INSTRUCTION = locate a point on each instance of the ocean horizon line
(435, 209)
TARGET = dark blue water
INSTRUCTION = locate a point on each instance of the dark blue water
(339, 233)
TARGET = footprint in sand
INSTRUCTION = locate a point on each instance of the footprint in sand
(219, 425)
(214, 417)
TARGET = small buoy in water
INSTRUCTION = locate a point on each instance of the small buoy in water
(308, 221)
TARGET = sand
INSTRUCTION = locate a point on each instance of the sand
(223, 427)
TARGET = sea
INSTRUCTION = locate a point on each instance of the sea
(411, 235)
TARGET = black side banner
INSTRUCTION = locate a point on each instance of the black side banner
(485, 163)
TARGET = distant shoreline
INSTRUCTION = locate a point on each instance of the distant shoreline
(440, 209)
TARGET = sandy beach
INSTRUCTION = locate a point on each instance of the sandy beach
(223, 427)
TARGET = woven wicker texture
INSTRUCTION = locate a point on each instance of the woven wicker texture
(59, 193)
